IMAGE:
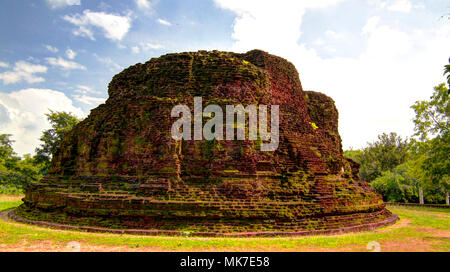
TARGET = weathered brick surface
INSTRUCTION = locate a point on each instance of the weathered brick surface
(119, 168)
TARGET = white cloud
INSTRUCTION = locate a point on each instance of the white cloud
(4, 64)
(108, 62)
(89, 100)
(85, 98)
(404, 6)
(149, 46)
(63, 3)
(25, 110)
(115, 27)
(65, 64)
(143, 4)
(374, 91)
(146, 47)
(82, 89)
(401, 6)
(70, 54)
(135, 49)
(269, 23)
(51, 48)
(164, 22)
(84, 32)
(23, 71)
(319, 42)
(419, 6)
(378, 3)
(370, 25)
(334, 35)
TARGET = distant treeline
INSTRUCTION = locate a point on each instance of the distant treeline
(414, 170)
(17, 172)
(401, 170)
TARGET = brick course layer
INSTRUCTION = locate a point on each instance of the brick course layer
(120, 168)
(155, 232)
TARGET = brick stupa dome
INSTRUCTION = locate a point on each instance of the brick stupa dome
(121, 169)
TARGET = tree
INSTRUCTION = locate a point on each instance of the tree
(396, 185)
(447, 71)
(353, 154)
(383, 155)
(407, 183)
(61, 123)
(8, 158)
(432, 116)
(15, 173)
(432, 129)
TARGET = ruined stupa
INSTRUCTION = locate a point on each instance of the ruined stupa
(121, 169)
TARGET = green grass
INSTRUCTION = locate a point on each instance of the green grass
(425, 217)
(424, 209)
(9, 205)
(12, 233)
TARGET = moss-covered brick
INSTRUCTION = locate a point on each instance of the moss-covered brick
(120, 168)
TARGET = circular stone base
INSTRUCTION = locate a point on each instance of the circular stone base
(365, 227)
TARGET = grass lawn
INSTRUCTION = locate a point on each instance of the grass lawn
(419, 229)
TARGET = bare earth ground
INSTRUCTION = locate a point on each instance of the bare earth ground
(6, 198)
(419, 230)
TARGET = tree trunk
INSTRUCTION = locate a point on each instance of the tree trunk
(447, 200)
(421, 195)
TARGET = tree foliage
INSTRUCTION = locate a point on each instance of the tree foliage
(447, 71)
(403, 182)
(61, 123)
(380, 156)
(432, 116)
(15, 173)
(432, 129)
(8, 158)
(397, 168)
(397, 185)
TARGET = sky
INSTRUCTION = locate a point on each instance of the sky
(375, 58)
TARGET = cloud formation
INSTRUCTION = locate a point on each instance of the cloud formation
(51, 48)
(401, 6)
(23, 71)
(65, 64)
(108, 62)
(89, 100)
(164, 22)
(82, 89)
(373, 91)
(114, 27)
(135, 49)
(54, 4)
(23, 115)
(143, 4)
(145, 47)
(70, 54)
(276, 25)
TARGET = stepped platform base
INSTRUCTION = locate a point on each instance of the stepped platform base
(388, 219)
(120, 170)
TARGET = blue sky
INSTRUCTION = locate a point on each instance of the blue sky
(374, 57)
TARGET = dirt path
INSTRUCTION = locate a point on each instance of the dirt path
(39, 239)
(411, 245)
(4, 198)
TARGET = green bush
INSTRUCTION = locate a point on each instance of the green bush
(402, 185)
(16, 173)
